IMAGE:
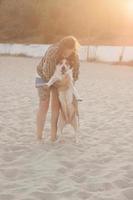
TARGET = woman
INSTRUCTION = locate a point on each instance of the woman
(65, 48)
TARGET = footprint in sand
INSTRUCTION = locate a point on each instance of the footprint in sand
(129, 193)
(7, 197)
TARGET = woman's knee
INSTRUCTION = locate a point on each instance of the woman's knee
(43, 105)
(55, 99)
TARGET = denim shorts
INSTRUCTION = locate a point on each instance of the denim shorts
(43, 92)
(39, 82)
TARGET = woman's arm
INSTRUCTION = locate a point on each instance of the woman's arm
(47, 65)
(39, 67)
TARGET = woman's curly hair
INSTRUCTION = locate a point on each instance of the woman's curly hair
(68, 42)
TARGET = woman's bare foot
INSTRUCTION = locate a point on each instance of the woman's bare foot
(53, 139)
(40, 140)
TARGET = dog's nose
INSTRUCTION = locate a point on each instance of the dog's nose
(63, 68)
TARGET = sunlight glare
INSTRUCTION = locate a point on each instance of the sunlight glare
(129, 5)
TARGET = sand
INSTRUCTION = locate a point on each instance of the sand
(100, 167)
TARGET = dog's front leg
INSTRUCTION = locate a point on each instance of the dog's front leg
(53, 79)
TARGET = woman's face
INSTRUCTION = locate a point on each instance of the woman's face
(68, 52)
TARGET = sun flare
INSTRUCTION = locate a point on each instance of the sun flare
(129, 7)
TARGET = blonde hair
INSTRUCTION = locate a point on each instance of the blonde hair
(69, 42)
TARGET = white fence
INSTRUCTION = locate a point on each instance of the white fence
(86, 53)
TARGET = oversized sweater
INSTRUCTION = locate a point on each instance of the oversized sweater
(46, 67)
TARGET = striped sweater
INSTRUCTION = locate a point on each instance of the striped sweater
(46, 67)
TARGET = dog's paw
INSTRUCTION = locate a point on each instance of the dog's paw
(46, 86)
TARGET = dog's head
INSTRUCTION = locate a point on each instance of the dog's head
(63, 66)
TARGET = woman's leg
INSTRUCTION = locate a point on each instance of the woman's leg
(42, 111)
(55, 106)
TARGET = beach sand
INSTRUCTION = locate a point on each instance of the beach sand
(100, 167)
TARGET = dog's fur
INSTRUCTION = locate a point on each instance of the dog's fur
(67, 97)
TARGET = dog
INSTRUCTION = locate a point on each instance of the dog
(68, 97)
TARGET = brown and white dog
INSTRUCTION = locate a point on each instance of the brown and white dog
(68, 97)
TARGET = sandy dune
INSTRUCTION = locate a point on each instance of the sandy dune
(99, 168)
